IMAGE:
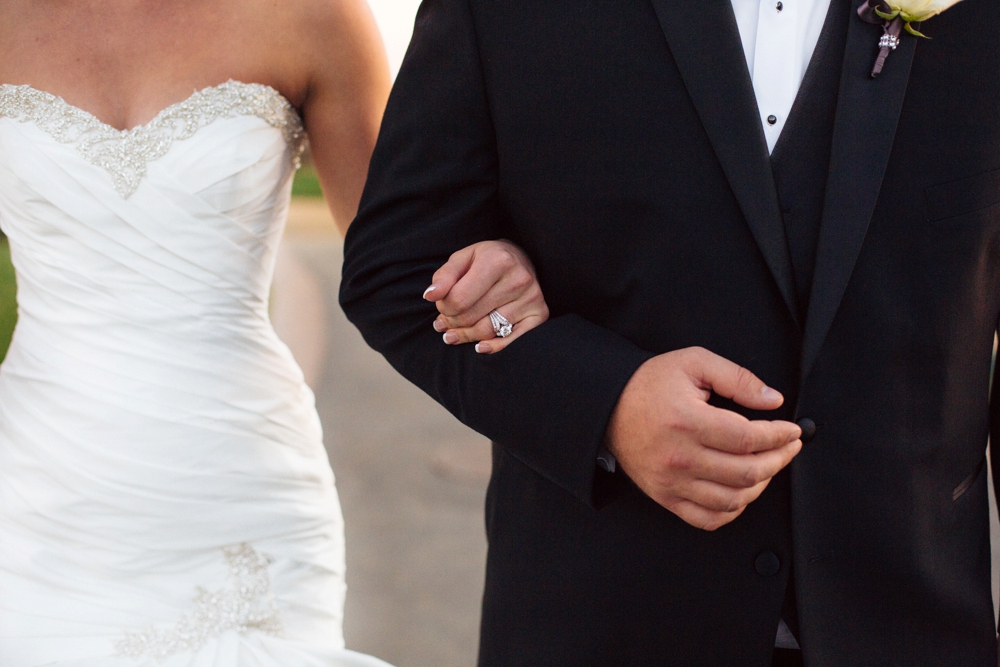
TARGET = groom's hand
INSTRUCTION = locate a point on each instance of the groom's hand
(702, 463)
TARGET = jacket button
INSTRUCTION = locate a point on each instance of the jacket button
(808, 427)
(767, 564)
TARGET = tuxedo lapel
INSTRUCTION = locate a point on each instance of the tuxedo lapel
(704, 39)
(865, 126)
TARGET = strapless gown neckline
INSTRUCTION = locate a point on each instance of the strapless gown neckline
(165, 496)
(92, 118)
(125, 153)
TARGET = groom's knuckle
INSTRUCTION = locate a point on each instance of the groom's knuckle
(678, 460)
(697, 353)
(713, 521)
(676, 426)
(735, 503)
(744, 379)
(745, 442)
(753, 475)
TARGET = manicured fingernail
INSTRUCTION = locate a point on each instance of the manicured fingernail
(429, 290)
(451, 338)
(771, 394)
(440, 326)
(483, 348)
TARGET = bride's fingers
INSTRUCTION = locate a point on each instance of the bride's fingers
(523, 314)
(468, 275)
(496, 344)
(517, 287)
(481, 330)
(496, 277)
(449, 274)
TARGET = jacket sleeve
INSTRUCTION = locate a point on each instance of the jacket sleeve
(433, 189)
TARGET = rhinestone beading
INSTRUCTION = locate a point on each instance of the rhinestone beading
(125, 153)
(246, 606)
(888, 41)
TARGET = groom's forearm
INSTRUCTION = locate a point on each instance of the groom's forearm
(433, 189)
(546, 399)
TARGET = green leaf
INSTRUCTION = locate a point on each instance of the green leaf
(913, 31)
(888, 17)
(8, 298)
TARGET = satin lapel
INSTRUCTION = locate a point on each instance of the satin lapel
(865, 127)
(705, 42)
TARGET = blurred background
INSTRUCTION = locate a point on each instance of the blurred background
(412, 480)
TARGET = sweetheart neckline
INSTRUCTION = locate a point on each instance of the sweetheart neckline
(163, 112)
(125, 153)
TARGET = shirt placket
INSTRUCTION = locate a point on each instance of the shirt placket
(777, 64)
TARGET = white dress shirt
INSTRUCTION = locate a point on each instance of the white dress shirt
(779, 37)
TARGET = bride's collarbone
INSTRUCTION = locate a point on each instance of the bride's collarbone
(139, 67)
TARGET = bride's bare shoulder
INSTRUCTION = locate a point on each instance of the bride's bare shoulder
(321, 37)
(323, 22)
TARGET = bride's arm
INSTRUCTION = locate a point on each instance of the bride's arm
(493, 275)
(348, 86)
(347, 92)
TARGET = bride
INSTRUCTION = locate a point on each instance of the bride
(165, 498)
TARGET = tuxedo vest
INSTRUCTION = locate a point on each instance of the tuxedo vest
(801, 158)
(800, 163)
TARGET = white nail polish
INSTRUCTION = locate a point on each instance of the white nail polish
(429, 290)
(477, 348)
(445, 339)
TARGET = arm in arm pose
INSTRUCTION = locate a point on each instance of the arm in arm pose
(548, 399)
(346, 95)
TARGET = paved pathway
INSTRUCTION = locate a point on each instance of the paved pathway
(411, 478)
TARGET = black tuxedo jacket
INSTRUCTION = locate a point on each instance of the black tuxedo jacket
(618, 141)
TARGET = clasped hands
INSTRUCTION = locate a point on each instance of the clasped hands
(703, 463)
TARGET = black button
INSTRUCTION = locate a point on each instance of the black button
(808, 427)
(779, 6)
(771, 120)
(767, 564)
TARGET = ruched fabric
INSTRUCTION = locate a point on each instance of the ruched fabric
(165, 497)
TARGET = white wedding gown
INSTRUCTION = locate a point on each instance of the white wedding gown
(165, 498)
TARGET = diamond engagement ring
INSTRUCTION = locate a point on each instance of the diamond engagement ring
(501, 325)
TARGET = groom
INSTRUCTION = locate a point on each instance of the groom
(730, 219)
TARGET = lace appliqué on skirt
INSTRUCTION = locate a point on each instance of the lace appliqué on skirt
(125, 153)
(246, 606)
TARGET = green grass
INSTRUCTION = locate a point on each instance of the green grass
(8, 298)
(306, 183)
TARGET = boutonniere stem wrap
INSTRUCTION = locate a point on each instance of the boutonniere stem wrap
(895, 16)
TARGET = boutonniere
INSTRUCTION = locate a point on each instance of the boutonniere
(895, 16)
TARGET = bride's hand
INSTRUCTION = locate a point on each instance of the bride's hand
(487, 276)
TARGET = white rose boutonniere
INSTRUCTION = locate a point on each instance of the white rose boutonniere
(895, 16)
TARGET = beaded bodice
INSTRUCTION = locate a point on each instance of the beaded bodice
(149, 413)
(126, 153)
